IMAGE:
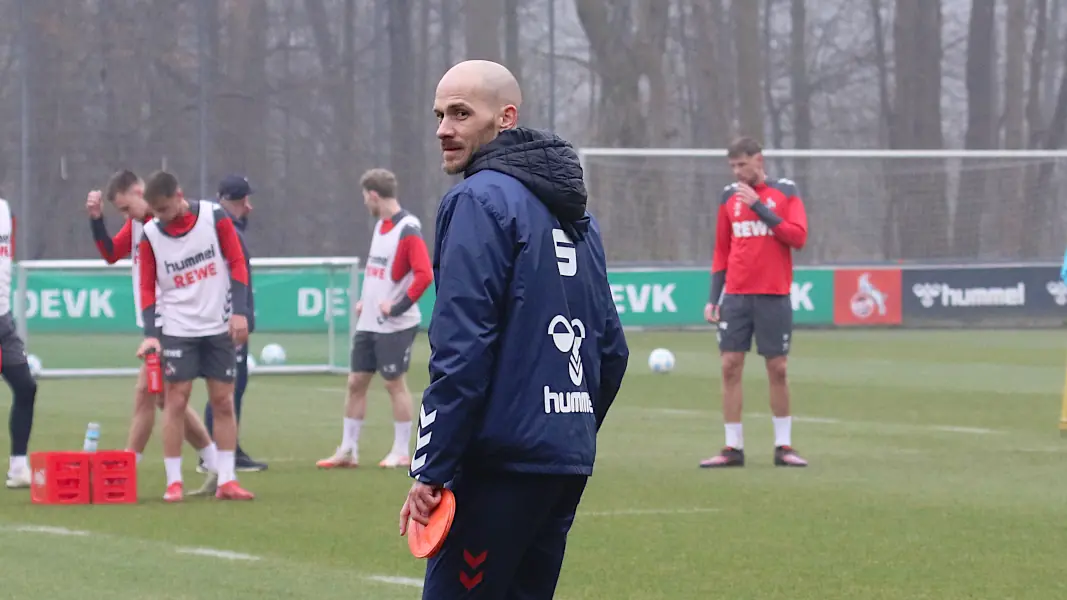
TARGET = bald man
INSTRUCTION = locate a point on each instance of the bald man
(527, 350)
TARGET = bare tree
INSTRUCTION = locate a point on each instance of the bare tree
(746, 31)
(482, 25)
(919, 192)
(981, 125)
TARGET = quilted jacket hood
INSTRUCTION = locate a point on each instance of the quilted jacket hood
(546, 164)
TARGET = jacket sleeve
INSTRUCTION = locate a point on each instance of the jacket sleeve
(475, 258)
(614, 356)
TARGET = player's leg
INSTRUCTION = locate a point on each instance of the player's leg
(16, 372)
(362, 367)
(144, 415)
(394, 357)
(734, 335)
(538, 572)
(245, 463)
(774, 336)
(181, 362)
(218, 363)
(498, 518)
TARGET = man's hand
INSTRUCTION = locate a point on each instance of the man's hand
(421, 501)
(93, 205)
(747, 194)
(146, 345)
(359, 308)
(386, 307)
(711, 313)
(239, 329)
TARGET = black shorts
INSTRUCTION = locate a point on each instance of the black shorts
(210, 357)
(508, 537)
(12, 348)
(387, 353)
(768, 318)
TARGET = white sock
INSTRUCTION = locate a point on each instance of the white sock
(139, 456)
(174, 470)
(226, 466)
(783, 431)
(734, 437)
(402, 438)
(350, 439)
(16, 464)
(210, 455)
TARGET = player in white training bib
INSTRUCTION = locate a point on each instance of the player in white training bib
(125, 191)
(13, 362)
(398, 272)
(191, 251)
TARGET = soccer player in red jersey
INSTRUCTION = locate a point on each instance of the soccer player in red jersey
(192, 252)
(398, 273)
(125, 191)
(760, 222)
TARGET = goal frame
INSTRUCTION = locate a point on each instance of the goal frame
(352, 264)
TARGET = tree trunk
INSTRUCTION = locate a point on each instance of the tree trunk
(917, 40)
(482, 27)
(512, 39)
(746, 33)
(1010, 198)
(981, 132)
(405, 155)
(800, 88)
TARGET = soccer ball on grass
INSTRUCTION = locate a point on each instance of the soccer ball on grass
(661, 361)
(272, 354)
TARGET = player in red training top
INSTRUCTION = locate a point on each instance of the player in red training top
(398, 273)
(192, 252)
(761, 221)
(125, 191)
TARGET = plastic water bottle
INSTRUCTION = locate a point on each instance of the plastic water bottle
(92, 437)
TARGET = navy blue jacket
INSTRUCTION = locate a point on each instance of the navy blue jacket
(527, 352)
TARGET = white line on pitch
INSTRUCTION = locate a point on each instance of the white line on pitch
(212, 552)
(683, 412)
(408, 581)
(645, 511)
(48, 530)
(954, 429)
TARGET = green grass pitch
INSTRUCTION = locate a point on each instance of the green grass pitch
(937, 473)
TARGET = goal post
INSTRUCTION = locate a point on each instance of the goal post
(77, 316)
(659, 205)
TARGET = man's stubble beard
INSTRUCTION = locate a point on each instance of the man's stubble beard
(492, 132)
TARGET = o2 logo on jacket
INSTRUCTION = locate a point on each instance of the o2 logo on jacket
(568, 339)
(566, 255)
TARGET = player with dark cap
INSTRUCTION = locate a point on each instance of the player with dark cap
(235, 197)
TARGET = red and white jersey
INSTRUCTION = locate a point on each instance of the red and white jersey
(136, 230)
(7, 251)
(378, 283)
(193, 280)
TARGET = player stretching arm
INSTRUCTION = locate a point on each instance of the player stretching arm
(761, 221)
(192, 253)
(125, 191)
(14, 366)
(398, 272)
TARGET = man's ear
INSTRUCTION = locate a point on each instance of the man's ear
(509, 117)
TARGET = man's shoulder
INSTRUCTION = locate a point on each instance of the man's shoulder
(495, 192)
(728, 192)
(786, 186)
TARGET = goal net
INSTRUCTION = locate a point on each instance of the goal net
(77, 316)
(660, 205)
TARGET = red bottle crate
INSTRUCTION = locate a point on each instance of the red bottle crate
(60, 478)
(114, 477)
